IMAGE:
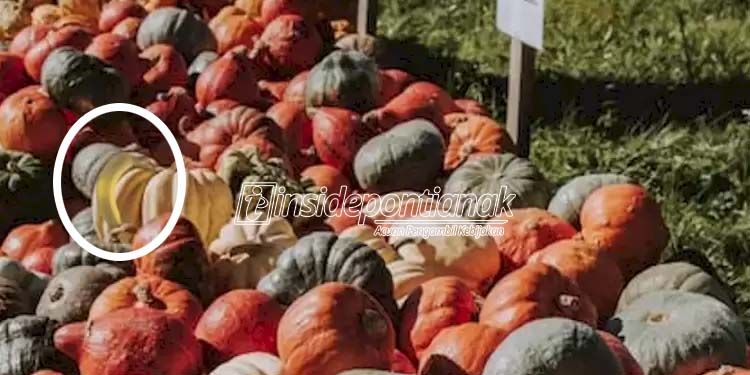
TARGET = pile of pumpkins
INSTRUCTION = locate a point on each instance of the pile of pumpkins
(279, 91)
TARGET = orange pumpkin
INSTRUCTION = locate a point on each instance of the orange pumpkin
(149, 292)
(177, 109)
(401, 364)
(462, 349)
(289, 44)
(232, 76)
(595, 273)
(273, 90)
(325, 176)
(295, 91)
(40, 260)
(629, 365)
(624, 221)
(32, 123)
(167, 67)
(27, 38)
(392, 83)
(419, 100)
(241, 321)
(474, 135)
(471, 106)
(233, 27)
(532, 292)
(116, 11)
(527, 231)
(435, 305)
(70, 36)
(296, 127)
(332, 328)
(121, 53)
(27, 238)
(128, 27)
(13, 73)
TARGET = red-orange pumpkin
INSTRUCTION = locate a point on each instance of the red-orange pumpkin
(288, 45)
(232, 28)
(462, 349)
(595, 273)
(27, 238)
(116, 11)
(625, 222)
(273, 90)
(337, 135)
(128, 27)
(294, 123)
(393, 82)
(325, 176)
(27, 38)
(121, 53)
(527, 231)
(332, 328)
(70, 36)
(167, 67)
(32, 123)
(148, 292)
(432, 307)
(272, 9)
(471, 106)
(419, 100)
(532, 292)
(295, 91)
(13, 74)
(629, 365)
(40, 260)
(474, 135)
(132, 341)
(241, 321)
(344, 217)
(177, 109)
(232, 76)
(401, 364)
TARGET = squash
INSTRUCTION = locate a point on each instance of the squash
(128, 27)
(366, 44)
(535, 291)
(87, 9)
(366, 234)
(407, 157)
(243, 254)
(272, 91)
(167, 67)
(473, 259)
(325, 178)
(121, 53)
(179, 28)
(729, 370)
(232, 76)
(22, 175)
(180, 258)
(272, 9)
(431, 308)
(208, 202)
(13, 300)
(337, 134)
(368, 371)
(27, 238)
(344, 79)
(31, 122)
(681, 276)
(88, 163)
(295, 125)
(148, 292)
(401, 364)
(595, 273)
(71, 36)
(498, 176)
(27, 38)
(239, 322)
(295, 90)
(257, 363)
(13, 73)
(461, 349)
(624, 221)
(474, 135)
(419, 100)
(569, 198)
(116, 11)
(343, 259)
(629, 365)
(471, 106)
(525, 232)
(32, 283)
(674, 332)
(317, 333)
(39, 260)
(393, 82)
(287, 46)
(177, 109)
(26, 346)
(148, 342)
(199, 64)
(70, 294)
(553, 346)
(82, 82)
(233, 27)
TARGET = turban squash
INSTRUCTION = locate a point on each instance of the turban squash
(26, 345)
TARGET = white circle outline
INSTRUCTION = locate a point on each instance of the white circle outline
(181, 182)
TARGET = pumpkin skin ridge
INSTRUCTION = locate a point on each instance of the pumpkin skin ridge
(467, 347)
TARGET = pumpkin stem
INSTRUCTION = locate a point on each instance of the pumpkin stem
(374, 323)
(143, 294)
(569, 304)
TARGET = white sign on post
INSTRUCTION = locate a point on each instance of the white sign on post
(523, 20)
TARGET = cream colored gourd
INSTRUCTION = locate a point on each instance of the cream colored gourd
(366, 234)
(407, 276)
(257, 363)
(208, 201)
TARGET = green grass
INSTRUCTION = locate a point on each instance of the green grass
(695, 161)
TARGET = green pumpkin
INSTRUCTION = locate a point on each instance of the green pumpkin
(322, 257)
(569, 198)
(180, 28)
(407, 157)
(553, 346)
(668, 330)
(344, 79)
(33, 284)
(88, 163)
(490, 176)
(681, 276)
(13, 300)
(26, 346)
(25, 190)
(82, 82)
(69, 295)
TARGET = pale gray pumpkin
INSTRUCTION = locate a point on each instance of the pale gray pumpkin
(680, 276)
(344, 79)
(88, 163)
(569, 198)
(180, 28)
(69, 295)
(26, 346)
(407, 157)
(553, 346)
(32, 283)
(13, 300)
(496, 177)
(671, 330)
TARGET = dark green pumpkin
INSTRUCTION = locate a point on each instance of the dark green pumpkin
(498, 176)
(569, 198)
(199, 64)
(33, 284)
(26, 346)
(13, 300)
(322, 257)
(180, 28)
(25, 190)
(344, 79)
(82, 82)
(553, 346)
(407, 157)
(69, 295)
(88, 163)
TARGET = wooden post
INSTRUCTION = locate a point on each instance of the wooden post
(367, 17)
(520, 94)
